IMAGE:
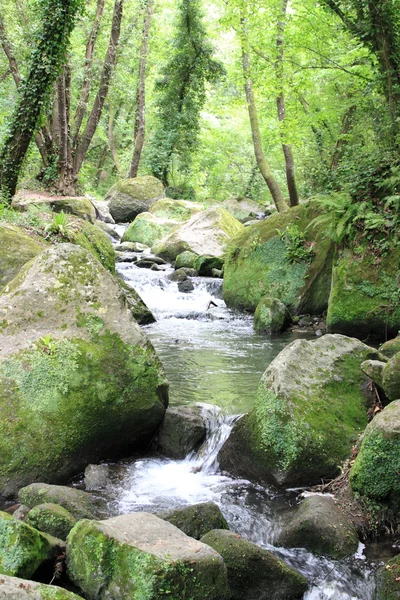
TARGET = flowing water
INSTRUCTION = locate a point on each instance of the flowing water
(213, 358)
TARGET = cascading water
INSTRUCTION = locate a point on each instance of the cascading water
(212, 357)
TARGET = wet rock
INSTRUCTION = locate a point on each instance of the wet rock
(271, 316)
(130, 247)
(185, 286)
(130, 197)
(149, 229)
(322, 528)
(186, 259)
(97, 477)
(144, 263)
(196, 520)
(182, 430)
(309, 410)
(14, 588)
(108, 229)
(391, 378)
(52, 519)
(155, 259)
(127, 257)
(80, 504)
(204, 265)
(141, 556)
(178, 275)
(190, 272)
(254, 573)
(218, 273)
(139, 310)
(389, 580)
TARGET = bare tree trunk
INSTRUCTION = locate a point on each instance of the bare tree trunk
(81, 108)
(65, 183)
(100, 164)
(262, 162)
(111, 140)
(83, 142)
(140, 122)
(280, 101)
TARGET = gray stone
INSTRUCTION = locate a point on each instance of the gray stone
(178, 275)
(14, 588)
(182, 430)
(196, 520)
(185, 286)
(52, 519)
(130, 197)
(374, 370)
(102, 211)
(80, 504)
(391, 378)
(97, 477)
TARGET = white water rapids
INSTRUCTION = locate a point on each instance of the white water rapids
(213, 358)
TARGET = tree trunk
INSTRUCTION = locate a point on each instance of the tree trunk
(48, 54)
(81, 108)
(64, 184)
(140, 121)
(111, 140)
(280, 102)
(108, 67)
(262, 162)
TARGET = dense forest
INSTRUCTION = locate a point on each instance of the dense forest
(199, 299)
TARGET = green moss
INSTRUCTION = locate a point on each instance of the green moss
(186, 259)
(81, 207)
(389, 580)
(55, 593)
(270, 316)
(143, 188)
(257, 265)
(22, 548)
(52, 519)
(16, 249)
(148, 229)
(95, 240)
(365, 297)
(176, 210)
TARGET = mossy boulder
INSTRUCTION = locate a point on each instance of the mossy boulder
(196, 520)
(208, 232)
(374, 370)
(321, 527)
(205, 265)
(375, 473)
(80, 504)
(79, 206)
(175, 210)
(140, 311)
(186, 259)
(255, 573)
(79, 379)
(130, 197)
(182, 430)
(149, 229)
(389, 580)
(309, 410)
(52, 519)
(243, 209)
(16, 249)
(22, 548)
(391, 378)
(93, 239)
(365, 296)
(271, 316)
(260, 263)
(14, 588)
(142, 556)
(391, 347)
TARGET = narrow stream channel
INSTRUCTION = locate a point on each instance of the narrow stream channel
(213, 358)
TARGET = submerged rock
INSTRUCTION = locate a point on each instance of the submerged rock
(142, 556)
(130, 197)
(178, 275)
(182, 430)
(79, 381)
(14, 588)
(255, 573)
(196, 520)
(375, 473)
(322, 528)
(52, 519)
(309, 410)
(208, 232)
(185, 286)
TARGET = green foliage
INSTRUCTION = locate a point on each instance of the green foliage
(31, 218)
(297, 247)
(182, 92)
(59, 225)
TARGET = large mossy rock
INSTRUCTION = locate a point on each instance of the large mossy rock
(175, 210)
(254, 573)
(375, 473)
(80, 504)
(130, 197)
(52, 519)
(389, 580)
(14, 588)
(206, 233)
(364, 300)
(142, 556)
(16, 249)
(391, 378)
(257, 265)
(196, 520)
(79, 206)
(271, 316)
(309, 410)
(321, 527)
(79, 379)
(149, 229)
(22, 548)
(94, 239)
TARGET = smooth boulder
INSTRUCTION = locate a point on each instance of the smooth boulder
(52, 519)
(310, 408)
(175, 210)
(196, 520)
(149, 229)
(391, 347)
(79, 380)
(15, 588)
(182, 430)
(255, 573)
(16, 249)
(141, 556)
(80, 504)
(186, 259)
(130, 197)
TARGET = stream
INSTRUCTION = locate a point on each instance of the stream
(214, 359)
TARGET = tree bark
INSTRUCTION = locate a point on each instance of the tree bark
(108, 67)
(280, 102)
(140, 121)
(65, 183)
(111, 140)
(262, 162)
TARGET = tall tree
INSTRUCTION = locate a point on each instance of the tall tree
(182, 91)
(50, 45)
